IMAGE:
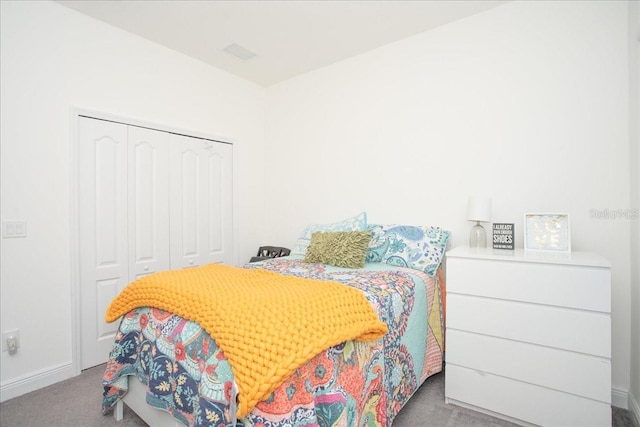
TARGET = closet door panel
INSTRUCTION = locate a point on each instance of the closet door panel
(148, 201)
(188, 207)
(201, 201)
(190, 199)
(220, 222)
(102, 213)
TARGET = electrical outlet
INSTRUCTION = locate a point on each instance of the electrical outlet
(11, 341)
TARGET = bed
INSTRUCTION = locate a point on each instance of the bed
(162, 360)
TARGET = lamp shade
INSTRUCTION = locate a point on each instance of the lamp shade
(479, 209)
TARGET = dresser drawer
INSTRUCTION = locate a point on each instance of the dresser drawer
(580, 287)
(516, 399)
(544, 366)
(574, 330)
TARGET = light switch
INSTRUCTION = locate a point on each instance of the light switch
(14, 229)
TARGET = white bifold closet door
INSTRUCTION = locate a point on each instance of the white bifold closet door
(201, 197)
(103, 245)
(149, 200)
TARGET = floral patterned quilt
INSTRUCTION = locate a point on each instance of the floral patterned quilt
(352, 384)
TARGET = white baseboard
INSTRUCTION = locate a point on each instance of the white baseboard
(35, 381)
(619, 398)
(634, 408)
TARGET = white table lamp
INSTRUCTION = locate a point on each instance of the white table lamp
(478, 210)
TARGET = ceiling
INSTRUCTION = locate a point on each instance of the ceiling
(288, 38)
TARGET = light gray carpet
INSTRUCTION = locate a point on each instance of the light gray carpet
(76, 402)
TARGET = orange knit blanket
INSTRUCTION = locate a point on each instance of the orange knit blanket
(267, 324)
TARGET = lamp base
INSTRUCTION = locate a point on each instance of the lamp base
(478, 237)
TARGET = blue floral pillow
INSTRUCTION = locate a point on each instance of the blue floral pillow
(356, 223)
(419, 248)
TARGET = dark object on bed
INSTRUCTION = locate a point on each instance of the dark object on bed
(268, 252)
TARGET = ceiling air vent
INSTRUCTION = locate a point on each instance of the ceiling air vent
(239, 51)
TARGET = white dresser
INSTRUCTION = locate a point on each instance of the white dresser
(528, 335)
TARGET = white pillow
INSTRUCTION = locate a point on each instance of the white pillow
(356, 223)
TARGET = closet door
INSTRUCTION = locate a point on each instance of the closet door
(103, 244)
(148, 202)
(201, 201)
(124, 220)
(219, 239)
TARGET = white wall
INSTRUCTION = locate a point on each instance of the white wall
(52, 59)
(527, 103)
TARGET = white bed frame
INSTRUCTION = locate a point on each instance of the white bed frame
(136, 401)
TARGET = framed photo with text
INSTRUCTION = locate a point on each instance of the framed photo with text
(503, 236)
(547, 232)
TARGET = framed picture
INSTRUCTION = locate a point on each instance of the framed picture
(547, 232)
(503, 236)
